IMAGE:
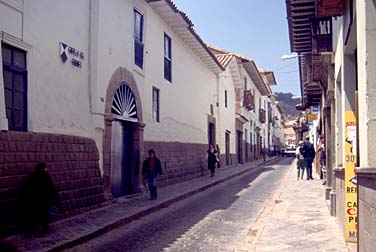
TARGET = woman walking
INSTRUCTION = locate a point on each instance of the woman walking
(212, 159)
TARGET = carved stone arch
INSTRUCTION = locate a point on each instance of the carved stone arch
(120, 77)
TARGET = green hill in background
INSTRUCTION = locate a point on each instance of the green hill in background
(288, 101)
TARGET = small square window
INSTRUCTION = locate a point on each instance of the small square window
(19, 59)
(7, 55)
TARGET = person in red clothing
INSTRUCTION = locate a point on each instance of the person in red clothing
(151, 168)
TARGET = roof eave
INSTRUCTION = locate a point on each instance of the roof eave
(253, 72)
(185, 26)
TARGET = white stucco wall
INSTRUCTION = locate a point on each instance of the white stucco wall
(250, 114)
(226, 116)
(58, 93)
(11, 17)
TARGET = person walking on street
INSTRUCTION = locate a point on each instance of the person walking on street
(321, 149)
(263, 151)
(309, 155)
(212, 159)
(218, 156)
(151, 168)
(300, 165)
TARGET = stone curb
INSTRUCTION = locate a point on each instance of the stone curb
(142, 213)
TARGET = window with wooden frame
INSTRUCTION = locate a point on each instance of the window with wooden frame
(138, 39)
(167, 58)
(15, 87)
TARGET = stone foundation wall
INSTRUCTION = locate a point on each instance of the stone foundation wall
(366, 209)
(251, 154)
(339, 174)
(182, 161)
(72, 162)
(233, 160)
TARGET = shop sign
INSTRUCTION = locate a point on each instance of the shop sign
(351, 212)
(312, 117)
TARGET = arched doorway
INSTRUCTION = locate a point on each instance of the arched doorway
(123, 136)
(124, 111)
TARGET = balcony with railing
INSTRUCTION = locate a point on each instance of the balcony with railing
(262, 116)
(322, 35)
(248, 100)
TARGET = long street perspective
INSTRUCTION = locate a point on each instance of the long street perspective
(187, 125)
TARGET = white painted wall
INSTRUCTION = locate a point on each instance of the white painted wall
(11, 17)
(252, 115)
(226, 116)
(58, 93)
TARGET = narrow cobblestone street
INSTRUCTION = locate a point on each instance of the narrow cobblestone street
(215, 220)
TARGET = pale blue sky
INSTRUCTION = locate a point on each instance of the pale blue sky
(253, 28)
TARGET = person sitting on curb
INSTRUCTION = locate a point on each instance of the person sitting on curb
(300, 159)
(151, 168)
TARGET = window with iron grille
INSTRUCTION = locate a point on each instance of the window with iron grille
(155, 104)
(167, 57)
(15, 87)
(138, 39)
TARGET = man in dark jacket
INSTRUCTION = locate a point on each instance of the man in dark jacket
(309, 155)
(151, 168)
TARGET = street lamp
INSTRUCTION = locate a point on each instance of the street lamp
(289, 56)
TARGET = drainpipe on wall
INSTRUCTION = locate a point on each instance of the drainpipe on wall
(95, 100)
(93, 59)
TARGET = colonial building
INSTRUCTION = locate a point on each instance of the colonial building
(254, 104)
(335, 41)
(89, 86)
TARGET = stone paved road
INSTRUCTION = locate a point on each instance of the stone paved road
(215, 220)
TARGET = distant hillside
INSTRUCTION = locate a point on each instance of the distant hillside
(287, 101)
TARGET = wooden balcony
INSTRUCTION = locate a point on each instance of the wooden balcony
(262, 116)
(330, 8)
(248, 100)
(322, 35)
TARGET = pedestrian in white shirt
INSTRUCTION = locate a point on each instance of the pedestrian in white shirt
(300, 165)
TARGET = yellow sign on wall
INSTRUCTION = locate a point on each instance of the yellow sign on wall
(312, 117)
(351, 187)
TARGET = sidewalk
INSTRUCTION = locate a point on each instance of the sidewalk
(298, 220)
(72, 231)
